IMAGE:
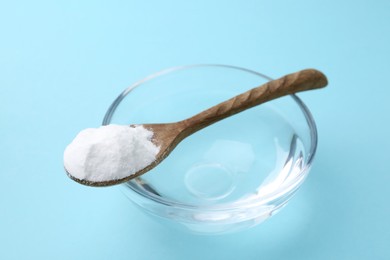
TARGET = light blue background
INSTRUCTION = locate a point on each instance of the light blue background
(63, 62)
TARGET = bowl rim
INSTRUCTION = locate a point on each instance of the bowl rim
(284, 189)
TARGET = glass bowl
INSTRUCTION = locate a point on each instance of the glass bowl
(231, 175)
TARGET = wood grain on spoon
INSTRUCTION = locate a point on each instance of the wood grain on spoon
(167, 136)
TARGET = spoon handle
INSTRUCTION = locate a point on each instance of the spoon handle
(299, 81)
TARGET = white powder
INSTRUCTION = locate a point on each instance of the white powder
(109, 152)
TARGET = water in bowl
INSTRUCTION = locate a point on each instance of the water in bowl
(250, 154)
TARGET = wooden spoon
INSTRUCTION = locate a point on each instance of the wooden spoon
(168, 136)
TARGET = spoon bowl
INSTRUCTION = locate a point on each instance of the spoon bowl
(168, 136)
